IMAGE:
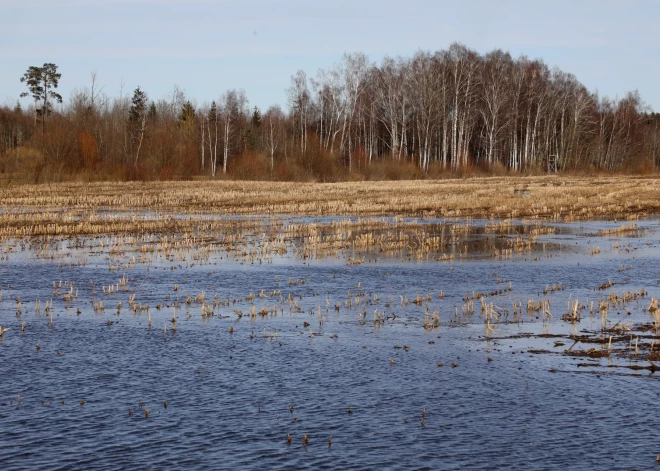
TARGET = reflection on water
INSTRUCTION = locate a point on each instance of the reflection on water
(462, 345)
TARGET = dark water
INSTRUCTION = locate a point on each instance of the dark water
(229, 396)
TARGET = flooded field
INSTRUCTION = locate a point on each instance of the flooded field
(138, 340)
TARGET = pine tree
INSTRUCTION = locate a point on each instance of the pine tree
(32, 78)
(41, 81)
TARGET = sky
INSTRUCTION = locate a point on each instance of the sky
(206, 47)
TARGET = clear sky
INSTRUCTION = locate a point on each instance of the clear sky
(206, 47)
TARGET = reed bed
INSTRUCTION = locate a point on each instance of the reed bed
(179, 225)
(131, 239)
(556, 198)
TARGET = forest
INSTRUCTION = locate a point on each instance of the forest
(447, 113)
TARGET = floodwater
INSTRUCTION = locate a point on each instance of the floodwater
(461, 392)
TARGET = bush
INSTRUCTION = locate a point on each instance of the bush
(389, 169)
(23, 163)
(640, 166)
(249, 166)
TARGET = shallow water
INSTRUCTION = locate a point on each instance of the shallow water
(229, 396)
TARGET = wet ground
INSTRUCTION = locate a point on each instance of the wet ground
(469, 355)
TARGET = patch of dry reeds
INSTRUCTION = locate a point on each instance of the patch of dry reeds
(559, 198)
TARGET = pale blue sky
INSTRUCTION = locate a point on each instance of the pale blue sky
(206, 47)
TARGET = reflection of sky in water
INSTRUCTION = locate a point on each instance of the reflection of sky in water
(480, 414)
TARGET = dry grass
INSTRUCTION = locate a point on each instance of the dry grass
(558, 198)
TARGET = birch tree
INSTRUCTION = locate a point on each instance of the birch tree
(273, 120)
(423, 82)
(354, 68)
(495, 95)
(391, 99)
(213, 120)
(299, 103)
(233, 103)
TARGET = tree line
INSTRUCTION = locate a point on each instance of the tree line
(447, 112)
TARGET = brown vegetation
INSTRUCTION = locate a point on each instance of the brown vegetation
(437, 114)
(496, 197)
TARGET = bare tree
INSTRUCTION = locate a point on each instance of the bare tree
(496, 88)
(299, 102)
(354, 68)
(232, 105)
(213, 120)
(391, 100)
(273, 120)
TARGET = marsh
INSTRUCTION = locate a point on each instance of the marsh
(253, 330)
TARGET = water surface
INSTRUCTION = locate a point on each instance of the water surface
(233, 398)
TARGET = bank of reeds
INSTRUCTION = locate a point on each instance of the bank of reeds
(555, 198)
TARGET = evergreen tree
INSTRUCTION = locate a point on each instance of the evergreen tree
(256, 118)
(153, 113)
(32, 78)
(138, 105)
(213, 112)
(187, 118)
(137, 120)
(41, 81)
